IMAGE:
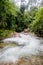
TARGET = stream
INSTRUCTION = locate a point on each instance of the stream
(27, 45)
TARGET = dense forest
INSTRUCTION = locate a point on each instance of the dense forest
(17, 19)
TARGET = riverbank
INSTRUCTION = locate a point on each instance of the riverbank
(26, 61)
(2, 45)
(5, 33)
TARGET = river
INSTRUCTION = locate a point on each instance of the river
(27, 45)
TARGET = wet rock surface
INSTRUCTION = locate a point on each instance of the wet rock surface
(26, 61)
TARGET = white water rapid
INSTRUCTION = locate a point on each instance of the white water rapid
(29, 45)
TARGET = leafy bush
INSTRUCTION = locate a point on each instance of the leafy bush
(8, 11)
(37, 25)
(4, 33)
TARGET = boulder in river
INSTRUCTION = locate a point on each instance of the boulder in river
(26, 30)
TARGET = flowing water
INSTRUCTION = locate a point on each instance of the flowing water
(27, 45)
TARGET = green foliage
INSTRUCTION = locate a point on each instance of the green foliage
(29, 16)
(37, 24)
(13, 18)
(4, 33)
(27, 19)
(19, 21)
(7, 14)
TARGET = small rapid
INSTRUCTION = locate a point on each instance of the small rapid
(29, 46)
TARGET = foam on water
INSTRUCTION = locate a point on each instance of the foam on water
(32, 46)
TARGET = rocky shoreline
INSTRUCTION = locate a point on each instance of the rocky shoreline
(26, 61)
